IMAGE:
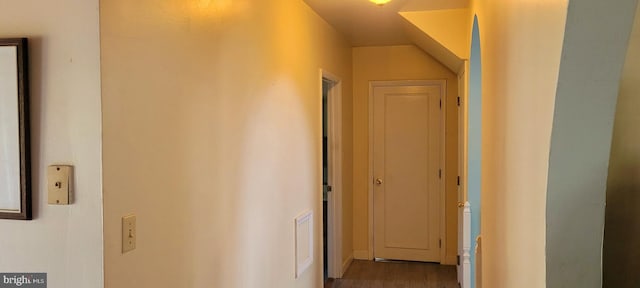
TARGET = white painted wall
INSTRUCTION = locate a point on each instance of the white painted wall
(63, 241)
(448, 27)
(521, 45)
(212, 137)
(547, 65)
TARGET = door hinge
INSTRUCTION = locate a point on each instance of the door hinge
(458, 259)
(440, 173)
(440, 104)
(458, 180)
(329, 188)
(458, 101)
(440, 243)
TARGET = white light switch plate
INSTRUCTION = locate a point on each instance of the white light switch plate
(128, 233)
(60, 184)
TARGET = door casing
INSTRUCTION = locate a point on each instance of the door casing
(336, 267)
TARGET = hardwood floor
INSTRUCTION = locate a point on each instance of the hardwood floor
(370, 274)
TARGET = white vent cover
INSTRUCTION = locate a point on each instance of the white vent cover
(304, 242)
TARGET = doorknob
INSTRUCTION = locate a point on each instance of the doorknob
(378, 181)
(460, 204)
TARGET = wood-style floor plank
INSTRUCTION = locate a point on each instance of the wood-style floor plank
(370, 274)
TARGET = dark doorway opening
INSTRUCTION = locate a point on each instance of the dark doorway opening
(326, 188)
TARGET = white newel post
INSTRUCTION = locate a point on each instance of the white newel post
(466, 246)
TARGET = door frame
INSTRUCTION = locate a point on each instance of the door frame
(334, 198)
(442, 212)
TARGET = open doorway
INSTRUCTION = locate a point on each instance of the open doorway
(331, 175)
(326, 188)
(469, 170)
(474, 150)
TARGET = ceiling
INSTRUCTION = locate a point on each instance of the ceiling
(366, 24)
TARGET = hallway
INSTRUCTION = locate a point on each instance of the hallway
(396, 274)
(203, 120)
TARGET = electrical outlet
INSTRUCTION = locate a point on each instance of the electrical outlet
(128, 233)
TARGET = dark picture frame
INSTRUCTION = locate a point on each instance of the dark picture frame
(12, 188)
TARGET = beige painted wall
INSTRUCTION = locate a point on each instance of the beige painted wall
(63, 241)
(212, 137)
(621, 251)
(521, 45)
(398, 63)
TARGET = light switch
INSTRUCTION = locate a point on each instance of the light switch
(60, 184)
(128, 233)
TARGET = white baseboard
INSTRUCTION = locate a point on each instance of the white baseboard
(450, 260)
(364, 255)
(346, 264)
(361, 255)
